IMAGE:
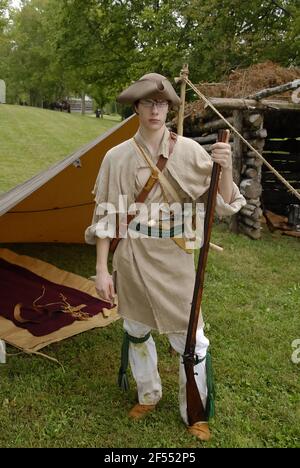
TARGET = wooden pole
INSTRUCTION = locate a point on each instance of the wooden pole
(183, 74)
(237, 157)
(275, 90)
(252, 104)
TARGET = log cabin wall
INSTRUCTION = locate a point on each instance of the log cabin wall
(273, 129)
(248, 219)
(282, 150)
(246, 166)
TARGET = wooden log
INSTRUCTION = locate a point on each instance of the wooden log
(274, 90)
(208, 147)
(212, 138)
(249, 207)
(253, 120)
(251, 173)
(292, 166)
(250, 188)
(260, 133)
(264, 105)
(252, 214)
(215, 125)
(250, 222)
(274, 184)
(252, 233)
(288, 175)
(282, 157)
(292, 145)
(251, 155)
(257, 144)
(259, 175)
(253, 201)
(252, 159)
(247, 213)
(292, 175)
(258, 214)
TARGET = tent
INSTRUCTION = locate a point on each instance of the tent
(54, 206)
(57, 204)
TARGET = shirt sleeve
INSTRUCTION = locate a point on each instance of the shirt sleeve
(222, 208)
(100, 226)
(236, 203)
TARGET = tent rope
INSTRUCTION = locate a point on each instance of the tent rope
(38, 353)
(278, 175)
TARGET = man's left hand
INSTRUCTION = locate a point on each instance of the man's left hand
(222, 154)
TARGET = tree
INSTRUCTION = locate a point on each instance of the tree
(95, 41)
(4, 4)
(3, 14)
(29, 54)
(230, 34)
(54, 47)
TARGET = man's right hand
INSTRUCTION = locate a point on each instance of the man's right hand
(105, 286)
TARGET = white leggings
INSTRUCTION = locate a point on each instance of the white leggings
(143, 363)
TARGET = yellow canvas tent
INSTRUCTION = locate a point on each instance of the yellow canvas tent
(57, 204)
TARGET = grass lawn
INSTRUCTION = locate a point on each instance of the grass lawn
(33, 139)
(251, 309)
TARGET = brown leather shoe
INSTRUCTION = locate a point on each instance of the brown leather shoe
(200, 430)
(139, 411)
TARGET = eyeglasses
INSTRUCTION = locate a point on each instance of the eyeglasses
(151, 103)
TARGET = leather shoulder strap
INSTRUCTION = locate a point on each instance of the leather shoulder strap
(153, 179)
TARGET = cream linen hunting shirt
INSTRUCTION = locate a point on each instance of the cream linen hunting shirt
(155, 278)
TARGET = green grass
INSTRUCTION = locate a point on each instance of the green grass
(251, 308)
(33, 139)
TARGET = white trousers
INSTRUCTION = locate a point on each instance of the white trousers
(143, 363)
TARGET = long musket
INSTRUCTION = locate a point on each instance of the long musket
(195, 409)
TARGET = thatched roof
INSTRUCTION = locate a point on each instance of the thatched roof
(243, 82)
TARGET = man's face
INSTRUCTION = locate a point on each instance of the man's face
(152, 112)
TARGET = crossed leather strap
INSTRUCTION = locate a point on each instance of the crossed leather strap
(152, 180)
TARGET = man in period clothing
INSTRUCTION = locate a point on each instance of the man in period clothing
(153, 272)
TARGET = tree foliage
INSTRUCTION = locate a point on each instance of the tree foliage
(3, 14)
(99, 46)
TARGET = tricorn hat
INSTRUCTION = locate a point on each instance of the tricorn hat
(147, 85)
